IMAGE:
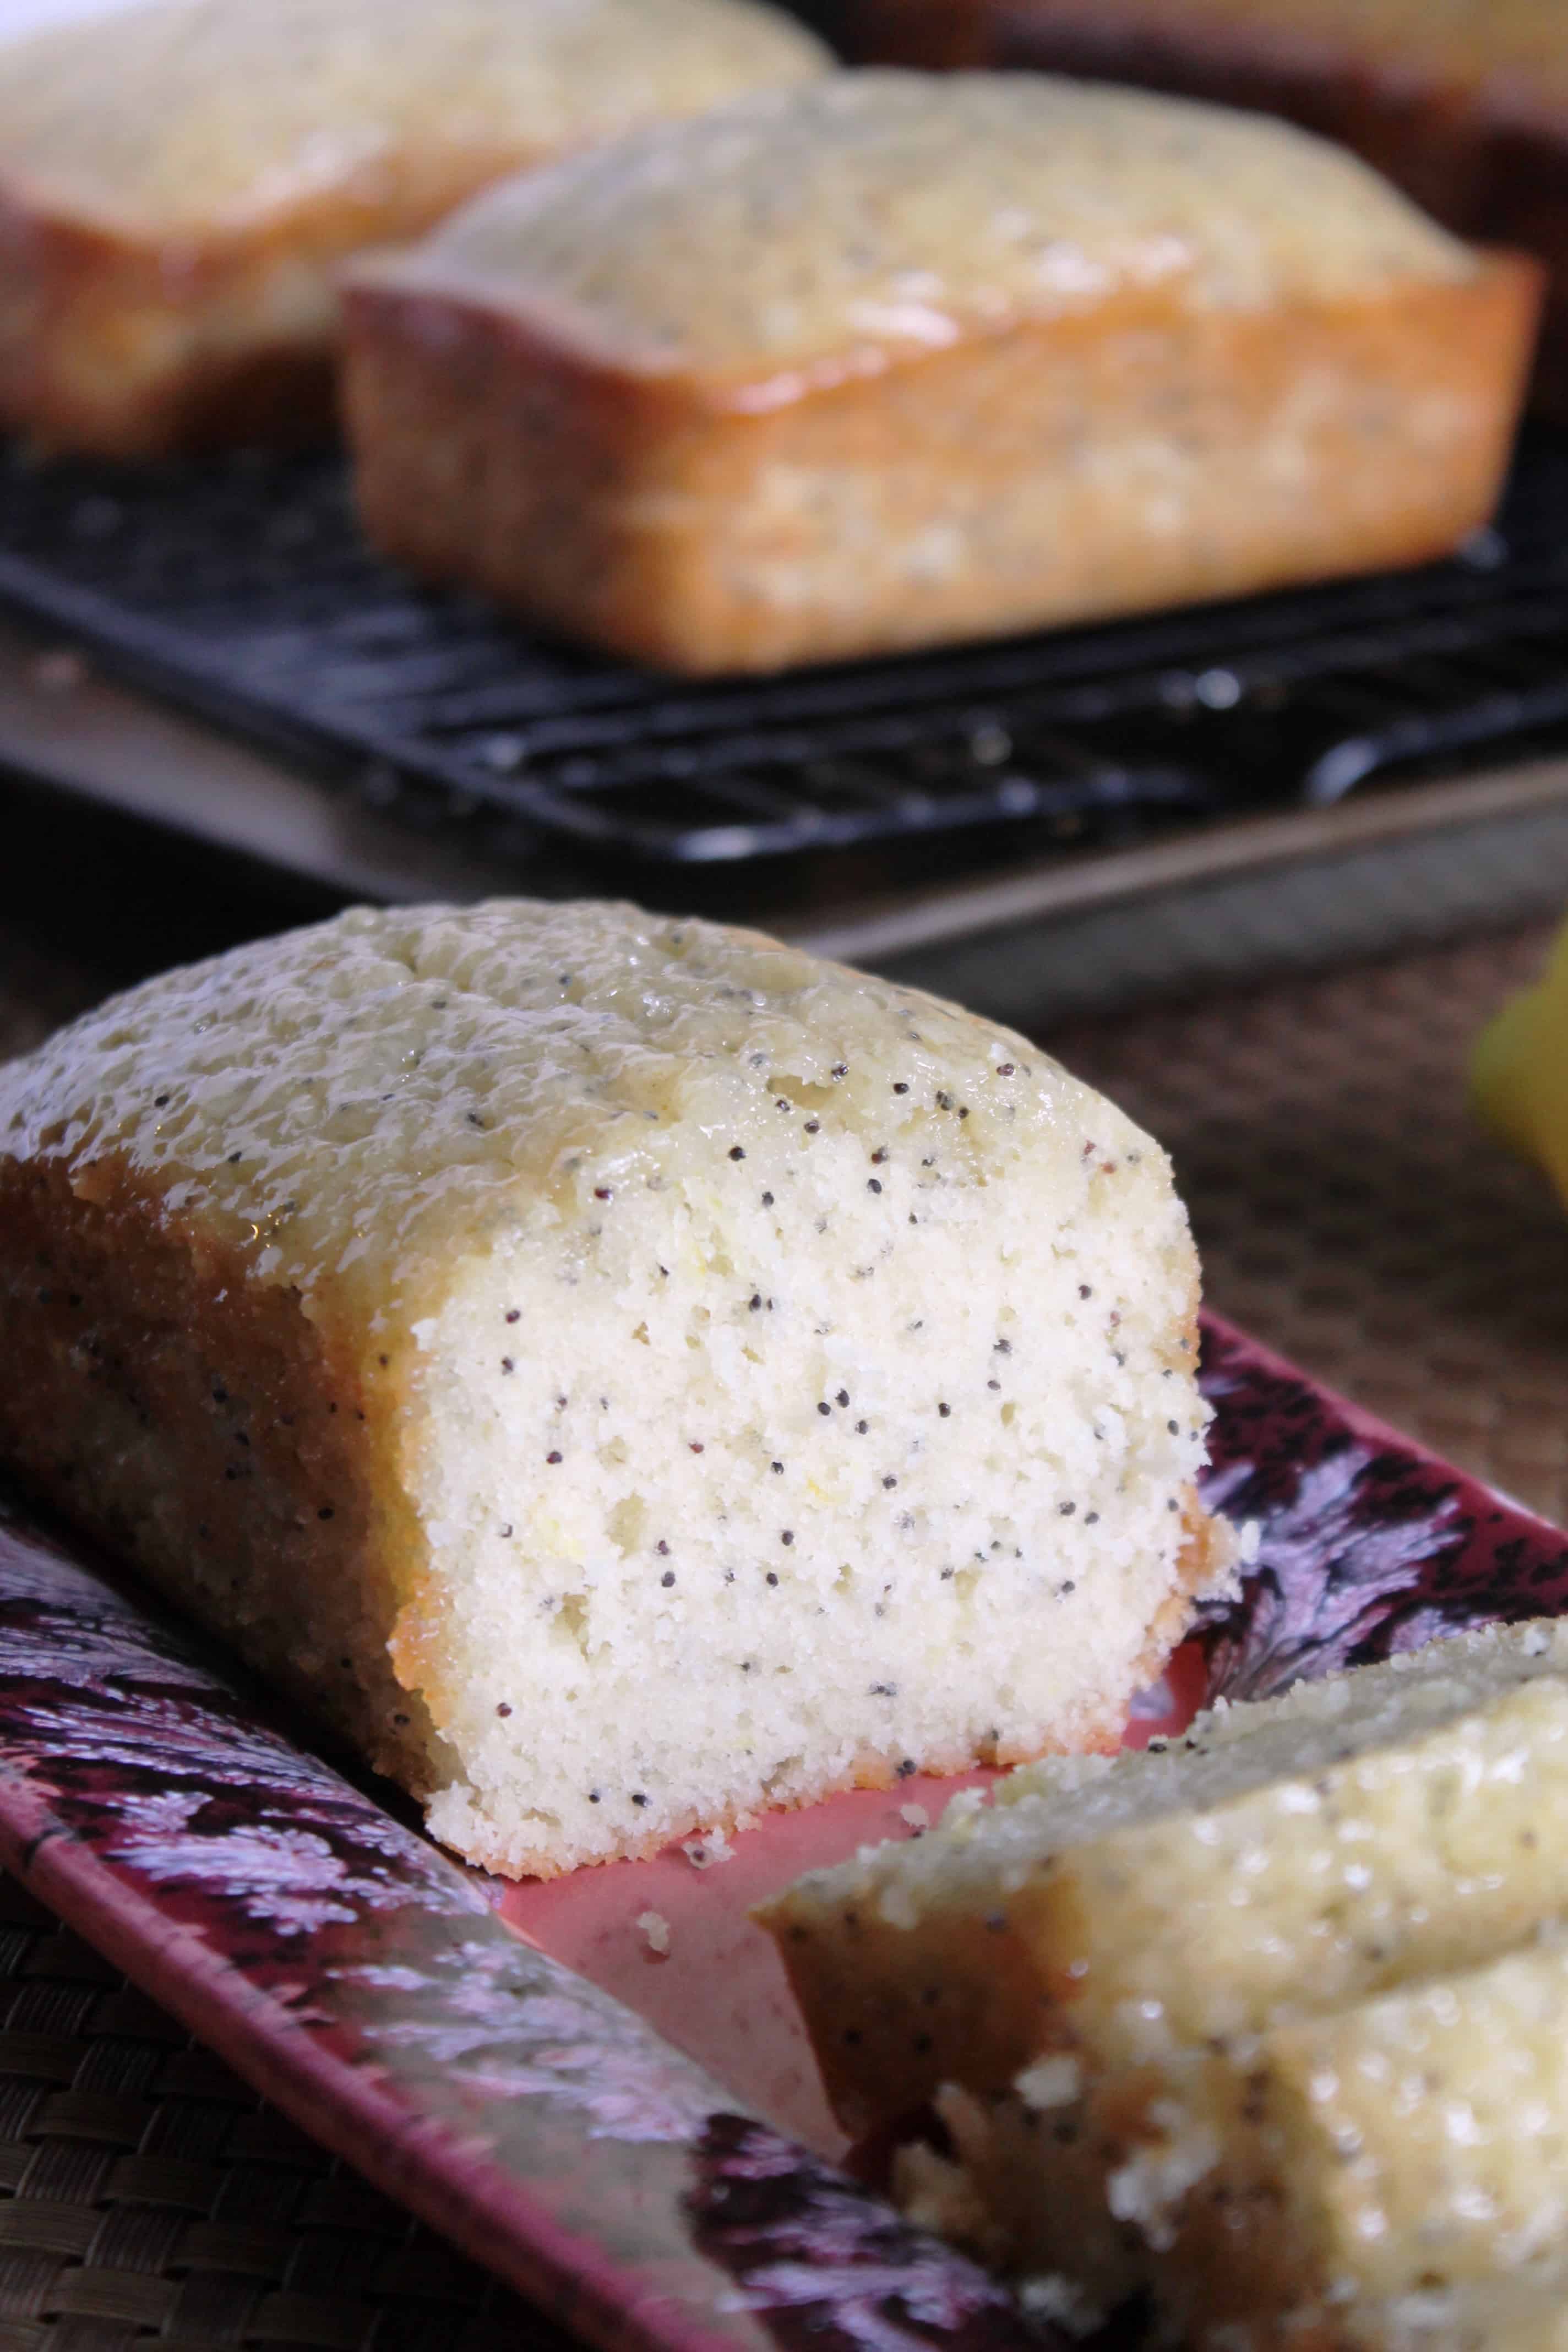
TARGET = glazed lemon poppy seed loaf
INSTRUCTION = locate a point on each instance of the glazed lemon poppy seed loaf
(178, 181)
(893, 359)
(625, 1372)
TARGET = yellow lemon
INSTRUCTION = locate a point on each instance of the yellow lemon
(1518, 1074)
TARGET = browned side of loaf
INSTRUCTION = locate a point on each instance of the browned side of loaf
(100, 354)
(209, 1432)
(987, 488)
(1486, 162)
(892, 2016)
(133, 347)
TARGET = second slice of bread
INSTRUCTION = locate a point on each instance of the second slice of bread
(1124, 1910)
(1267, 2026)
(1317, 2176)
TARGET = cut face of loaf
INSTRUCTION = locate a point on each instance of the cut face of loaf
(178, 181)
(1286, 1857)
(625, 1372)
(891, 358)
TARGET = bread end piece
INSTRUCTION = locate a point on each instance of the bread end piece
(107, 349)
(1329, 2172)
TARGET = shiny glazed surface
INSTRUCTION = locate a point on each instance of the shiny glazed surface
(339, 1102)
(189, 115)
(892, 210)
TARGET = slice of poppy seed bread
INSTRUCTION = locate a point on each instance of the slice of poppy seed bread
(623, 1371)
(1286, 1856)
(1410, 2144)
(1349, 2180)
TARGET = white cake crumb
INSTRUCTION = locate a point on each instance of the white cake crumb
(936, 2194)
(916, 1815)
(655, 1928)
(703, 1852)
(1050, 2083)
(1055, 2300)
(897, 1906)
(1147, 2190)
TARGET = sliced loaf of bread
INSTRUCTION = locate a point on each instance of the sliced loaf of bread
(623, 1371)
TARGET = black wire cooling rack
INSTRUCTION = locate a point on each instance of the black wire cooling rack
(242, 589)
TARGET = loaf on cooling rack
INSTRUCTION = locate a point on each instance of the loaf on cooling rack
(894, 358)
(625, 1372)
(178, 181)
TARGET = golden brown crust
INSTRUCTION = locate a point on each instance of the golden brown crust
(1208, 1558)
(207, 1429)
(645, 514)
(900, 2004)
(135, 348)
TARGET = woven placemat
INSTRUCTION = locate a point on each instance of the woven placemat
(147, 2195)
(1350, 1210)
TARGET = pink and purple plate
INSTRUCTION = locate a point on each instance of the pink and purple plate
(632, 2137)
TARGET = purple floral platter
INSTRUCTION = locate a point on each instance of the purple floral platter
(599, 2090)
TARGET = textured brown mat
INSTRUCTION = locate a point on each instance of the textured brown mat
(148, 2198)
(1350, 1211)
